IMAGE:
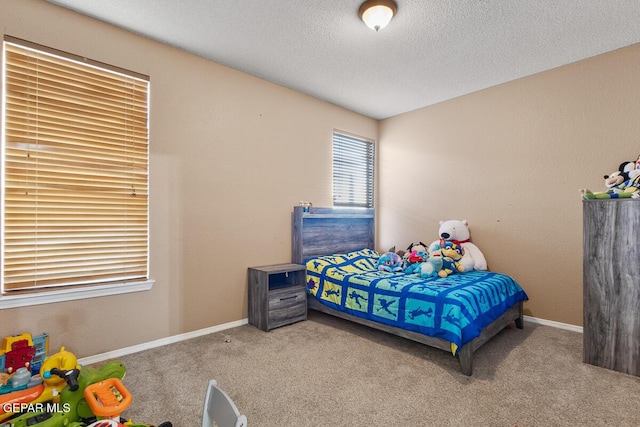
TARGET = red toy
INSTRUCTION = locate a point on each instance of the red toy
(18, 352)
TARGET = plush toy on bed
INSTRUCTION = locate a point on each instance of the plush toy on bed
(432, 265)
(414, 259)
(400, 252)
(451, 254)
(414, 250)
(458, 232)
(391, 262)
(417, 247)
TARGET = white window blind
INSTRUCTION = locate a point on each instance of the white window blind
(353, 171)
(75, 171)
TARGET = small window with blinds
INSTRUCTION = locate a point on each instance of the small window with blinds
(353, 166)
(75, 175)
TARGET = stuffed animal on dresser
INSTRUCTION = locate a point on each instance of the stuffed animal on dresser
(457, 231)
(623, 183)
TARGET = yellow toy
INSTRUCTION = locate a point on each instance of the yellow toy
(64, 360)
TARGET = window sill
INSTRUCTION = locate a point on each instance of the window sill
(14, 301)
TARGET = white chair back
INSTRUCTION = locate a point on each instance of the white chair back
(220, 409)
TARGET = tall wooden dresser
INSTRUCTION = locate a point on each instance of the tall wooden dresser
(611, 280)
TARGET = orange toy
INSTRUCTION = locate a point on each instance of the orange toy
(15, 398)
(107, 399)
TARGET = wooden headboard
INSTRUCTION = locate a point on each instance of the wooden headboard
(325, 231)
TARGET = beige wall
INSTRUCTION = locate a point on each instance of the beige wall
(230, 156)
(510, 159)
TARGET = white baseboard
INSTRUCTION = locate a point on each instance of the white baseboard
(181, 337)
(553, 324)
(158, 343)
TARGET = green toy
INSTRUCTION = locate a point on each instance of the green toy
(73, 409)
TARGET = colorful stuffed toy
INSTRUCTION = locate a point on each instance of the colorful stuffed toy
(391, 262)
(432, 265)
(400, 252)
(417, 247)
(413, 260)
(621, 184)
(458, 232)
(451, 256)
(412, 247)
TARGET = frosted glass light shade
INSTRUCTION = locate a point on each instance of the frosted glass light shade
(377, 13)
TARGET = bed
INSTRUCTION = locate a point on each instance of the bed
(457, 314)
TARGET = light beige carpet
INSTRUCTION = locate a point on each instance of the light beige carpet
(329, 372)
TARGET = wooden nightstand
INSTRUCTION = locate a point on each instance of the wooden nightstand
(277, 295)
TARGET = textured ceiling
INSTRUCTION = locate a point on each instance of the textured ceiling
(433, 50)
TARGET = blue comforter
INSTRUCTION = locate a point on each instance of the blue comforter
(455, 308)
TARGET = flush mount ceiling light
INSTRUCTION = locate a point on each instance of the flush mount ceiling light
(377, 13)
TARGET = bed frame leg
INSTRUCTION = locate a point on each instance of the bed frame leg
(465, 355)
(520, 318)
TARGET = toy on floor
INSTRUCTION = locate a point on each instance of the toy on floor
(54, 394)
(106, 423)
(72, 406)
(114, 423)
(43, 387)
(23, 351)
(63, 360)
(19, 380)
(71, 396)
(458, 232)
(108, 399)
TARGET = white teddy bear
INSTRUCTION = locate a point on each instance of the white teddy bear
(458, 232)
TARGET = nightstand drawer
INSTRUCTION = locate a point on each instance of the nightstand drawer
(286, 298)
(287, 305)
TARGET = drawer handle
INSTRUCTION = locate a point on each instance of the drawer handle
(291, 297)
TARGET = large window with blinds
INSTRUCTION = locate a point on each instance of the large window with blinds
(353, 166)
(75, 176)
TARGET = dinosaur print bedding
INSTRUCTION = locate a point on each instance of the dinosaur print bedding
(455, 308)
